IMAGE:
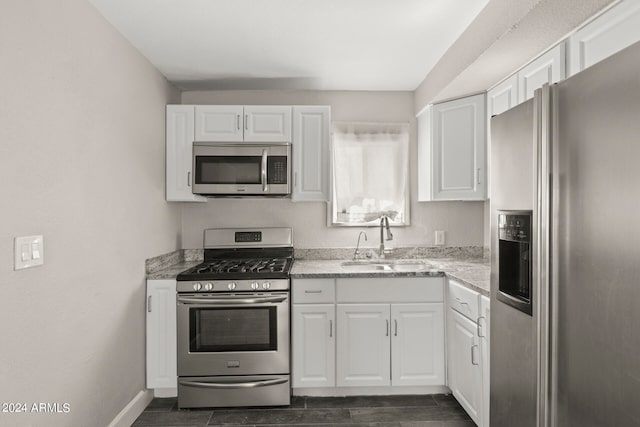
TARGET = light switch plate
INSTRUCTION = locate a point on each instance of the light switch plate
(28, 252)
(439, 238)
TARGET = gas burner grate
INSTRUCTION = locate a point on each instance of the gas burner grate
(252, 265)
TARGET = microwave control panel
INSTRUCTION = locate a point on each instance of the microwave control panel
(277, 170)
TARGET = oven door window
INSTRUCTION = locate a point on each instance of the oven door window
(214, 330)
(228, 170)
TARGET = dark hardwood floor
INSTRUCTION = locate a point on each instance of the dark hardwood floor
(376, 411)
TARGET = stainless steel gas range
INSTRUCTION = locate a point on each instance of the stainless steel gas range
(233, 320)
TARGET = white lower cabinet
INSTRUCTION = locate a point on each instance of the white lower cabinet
(464, 368)
(368, 335)
(468, 350)
(314, 348)
(162, 368)
(484, 333)
(417, 344)
(390, 344)
(313, 333)
(364, 345)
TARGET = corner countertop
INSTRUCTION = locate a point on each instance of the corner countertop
(474, 273)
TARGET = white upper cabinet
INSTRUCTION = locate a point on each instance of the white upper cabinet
(452, 149)
(611, 32)
(311, 151)
(179, 145)
(547, 68)
(503, 96)
(233, 123)
(267, 123)
(223, 123)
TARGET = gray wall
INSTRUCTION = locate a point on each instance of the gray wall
(81, 162)
(462, 221)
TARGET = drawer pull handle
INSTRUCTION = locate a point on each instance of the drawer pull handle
(461, 302)
(479, 327)
(308, 291)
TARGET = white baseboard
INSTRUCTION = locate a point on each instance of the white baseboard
(132, 411)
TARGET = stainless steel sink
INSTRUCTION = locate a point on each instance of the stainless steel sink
(388, 265)
(366, 266)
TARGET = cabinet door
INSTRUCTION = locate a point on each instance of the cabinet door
(611, 32)
(547, 68)
(484, 334)
(314, 349)
(162, 370)
(464, 369)
(499, 99)
(311, 140)
(417, 344)
(503, 96)
(267, 123)
(425, 136)
(458, 155)
(364, 354)
(179, 146)
(221, 123)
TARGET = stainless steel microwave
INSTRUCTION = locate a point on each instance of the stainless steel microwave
(236, 169)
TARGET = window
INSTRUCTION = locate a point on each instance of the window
(370, 173)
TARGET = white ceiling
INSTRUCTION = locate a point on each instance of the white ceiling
(292, 44)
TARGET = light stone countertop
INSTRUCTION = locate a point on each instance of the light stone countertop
(473, 273)
(172, 271)
(471, 270)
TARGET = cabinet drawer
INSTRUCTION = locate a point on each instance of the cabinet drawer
(312, 291)
(463, 300)
(390, 290)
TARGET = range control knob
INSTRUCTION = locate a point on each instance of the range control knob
(208, 286)
(197, 286)
(231, 285)
(255, 285)
(266, 285)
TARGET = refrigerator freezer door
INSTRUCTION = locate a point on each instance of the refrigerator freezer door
(513, 333)
(595, 245)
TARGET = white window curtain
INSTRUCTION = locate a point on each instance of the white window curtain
(370, 172)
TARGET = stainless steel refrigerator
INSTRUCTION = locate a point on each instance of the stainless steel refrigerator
(565, 252)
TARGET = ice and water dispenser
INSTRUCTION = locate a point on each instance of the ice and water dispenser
(514, 259)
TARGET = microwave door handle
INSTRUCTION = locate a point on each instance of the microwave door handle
(264, 171)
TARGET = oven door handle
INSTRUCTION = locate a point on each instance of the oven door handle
(231, 301)
(252, 384)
